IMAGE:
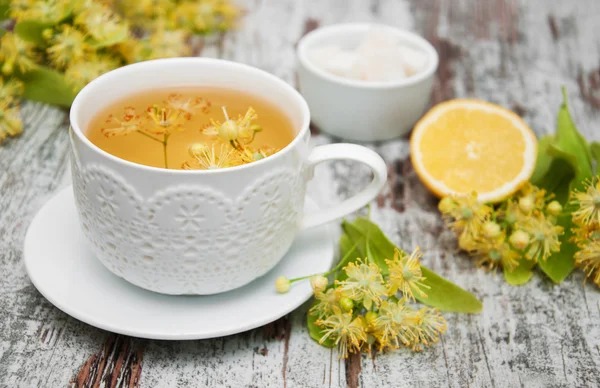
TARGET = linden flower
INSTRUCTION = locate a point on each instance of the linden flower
(586, 232)
(10, 119)
(130, 122)
(495, 252)
(232, 130)
(405, 274)
(15, 53)
(249, 155)
(79, 74)
(395, 324)
(209, 159)
(587, 202)
(466, 217)
(326, 301)
(531, 198)
(102, 24)
(544, 237)
(588, 259)
(349, 334)
(430, 326)
(165, 119)
(66, 46)
(205, 16)
(364, 283)
(42, 10)
(168, 44)
(10, 88)
(189, 106)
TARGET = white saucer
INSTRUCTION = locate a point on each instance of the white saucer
(63, 269)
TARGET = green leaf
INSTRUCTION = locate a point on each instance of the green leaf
(544, 160)
(316, 332)
(32, 31)
(4, 10)
(48, 86)
(349, 253)
(521, 274)
(595, 150)
(560, 264)
(117, 37)
(443, 294)
(571, 146)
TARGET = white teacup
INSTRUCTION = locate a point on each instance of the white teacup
(200, 232)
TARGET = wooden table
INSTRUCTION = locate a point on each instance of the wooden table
(515, 53)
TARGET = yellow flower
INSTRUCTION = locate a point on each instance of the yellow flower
(249, 154)
(326, 301)
(187, 107)
(493, 252)
(531, 198)
(16, 54)
(144, 11)
(587, 202)
(10, 119)
(588, 259)
(318, 283)
(209, 159)
(430, 325)
(79, 74)
(364, 283)
(234, 130)
(405, 274)
(165, 43)
(165, 119)
(585, 232)
(466, 217)
(205, 16)
(102, 23)
(67, 46)
(349, 334)
(511, 213)
(394, 324)
(41, 10)
(519, 239)
(129, 123)
(544, 237)
(10, 89)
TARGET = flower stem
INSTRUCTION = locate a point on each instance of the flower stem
(165, 140)
(148, 136)
(342, 263)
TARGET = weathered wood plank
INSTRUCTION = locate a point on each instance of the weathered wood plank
(516, 53)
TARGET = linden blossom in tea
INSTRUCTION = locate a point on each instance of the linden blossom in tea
(191, 128)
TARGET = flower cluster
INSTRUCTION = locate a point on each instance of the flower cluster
(230, 147)
(367, 310)
(232, 139)
(521, 227)
(56, 42)
(586, 234)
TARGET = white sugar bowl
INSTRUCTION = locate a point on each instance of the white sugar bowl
(364, 110)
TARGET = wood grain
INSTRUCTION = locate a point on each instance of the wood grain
(515, 53)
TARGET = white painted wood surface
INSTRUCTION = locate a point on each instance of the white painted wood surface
(516, 53)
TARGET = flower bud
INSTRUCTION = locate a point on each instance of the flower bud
(519, 239)
(228, 131)
(526, 204)
(554, 208)
(491, 229)
(47, 33)
(318, 283)
(446, 205)
(370, 317)
(282, 284)
(196, 149)
(346, 304)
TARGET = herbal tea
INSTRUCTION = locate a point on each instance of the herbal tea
(192, 128)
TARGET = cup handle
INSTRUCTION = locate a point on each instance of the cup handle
(346, 152)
